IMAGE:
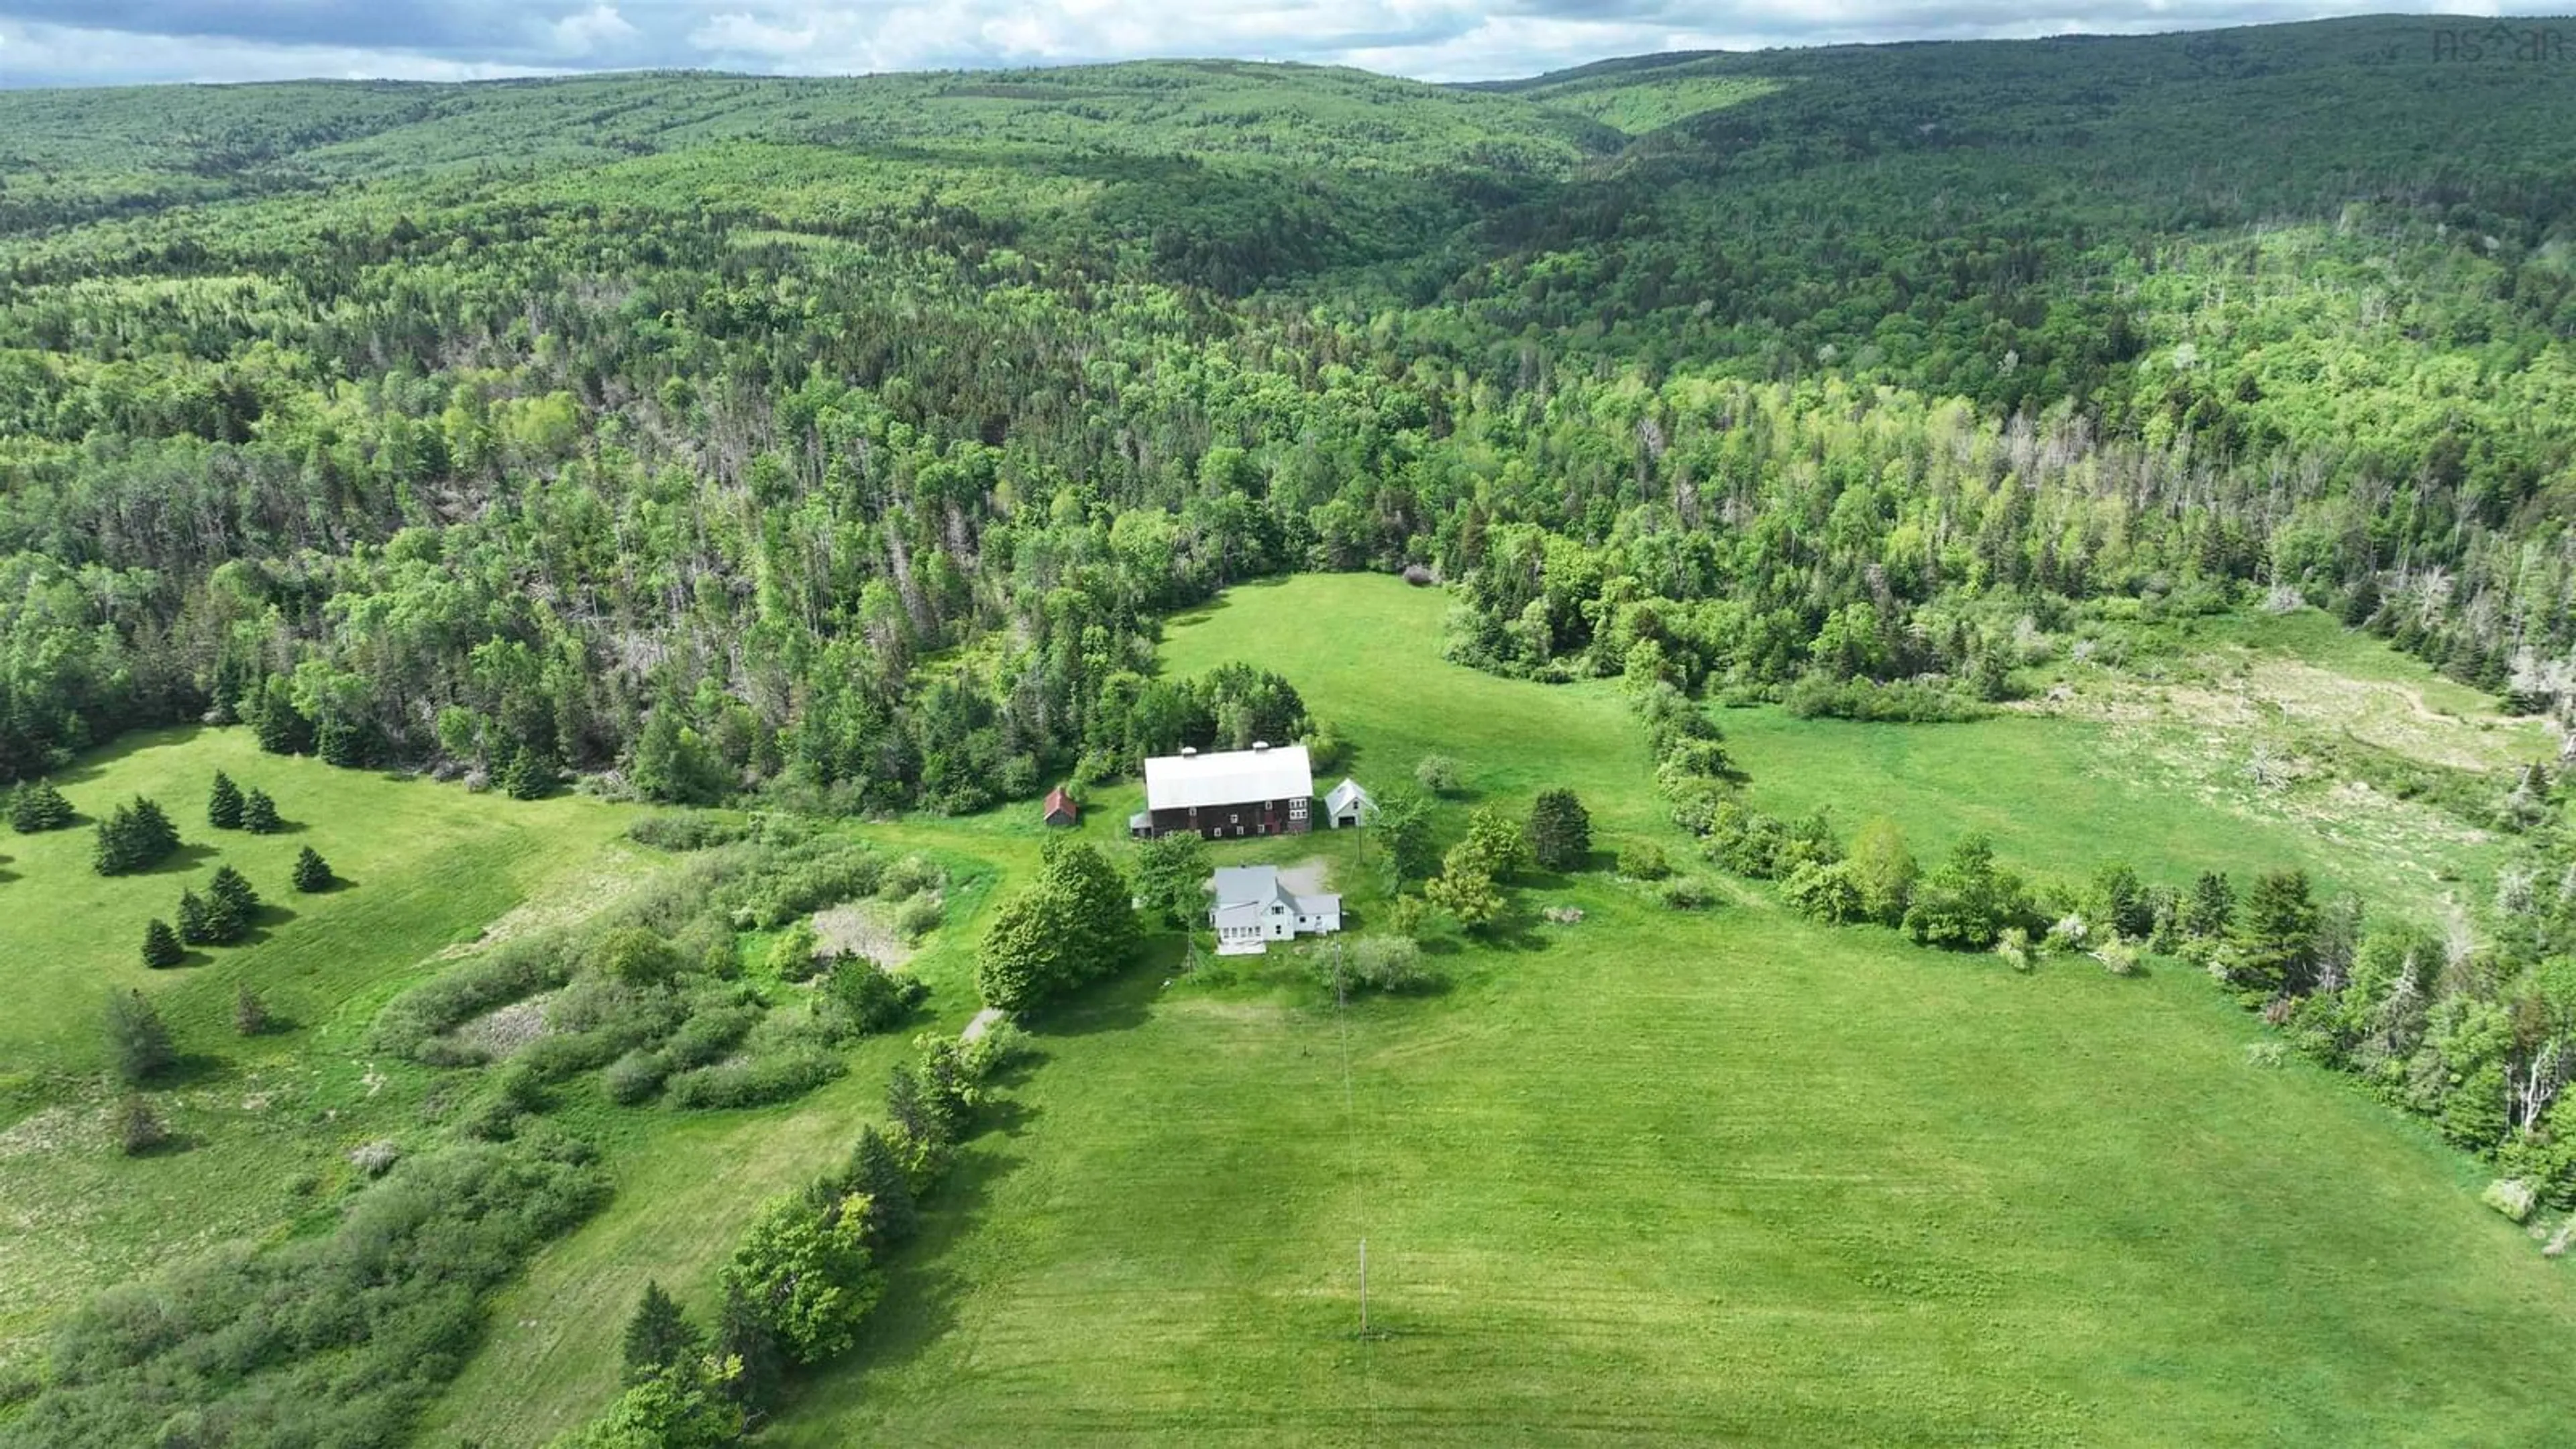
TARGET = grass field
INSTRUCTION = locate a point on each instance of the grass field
(1723, 1178)
(263, 1123)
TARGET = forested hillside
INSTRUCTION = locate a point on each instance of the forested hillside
(844, 438)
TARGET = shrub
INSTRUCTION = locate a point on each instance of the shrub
(376, 1158)
(1688, 893)
(512, 970)
(138, 1044)
(634, 1077)
(867, 998)
(139, 1128)
(708, 1034)
(1883, 870)
(1437, 774)
(38, 807)
(920, 916)
(162, 947)
(909, 877)
(312, 873)
(1747, 841)
(684, 830)
(2509, 1196)
(224, 803)
(636, 956)
(1644, 860)
(1824, 893)
(755, 1081)
(1391, 964)
(259, 813)
(797, 952)
(1967, 903)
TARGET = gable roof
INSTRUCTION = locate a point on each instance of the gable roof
(1228, 777)
(1344, 794)
(1245, 892)
(1057, 800)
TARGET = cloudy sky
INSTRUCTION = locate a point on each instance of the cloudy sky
(84, 42)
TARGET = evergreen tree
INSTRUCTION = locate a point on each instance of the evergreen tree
(279, 726)
(1560, 830)
(312, 872)
(659, 1336)
(2118, 901)
(259, 813)
(877, 1170)
(162, 947)
(38, 807)
(138, 1044)
(133, 837)
(139, 1128)
(250, 1014)
(224, 803)
(2276, 935)
(344, 741)
(743, 1335)
(232, 889)
(194, 928)
(2209, 911)
(529, 776)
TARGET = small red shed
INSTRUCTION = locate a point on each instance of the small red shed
(1060, 809)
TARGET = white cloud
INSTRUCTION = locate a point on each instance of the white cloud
(594, 31)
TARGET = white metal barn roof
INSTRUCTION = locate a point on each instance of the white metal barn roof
(1229, 777)
(1344, 795)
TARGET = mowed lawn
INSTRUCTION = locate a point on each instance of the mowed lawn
(1716, 1178)
(263, 1123)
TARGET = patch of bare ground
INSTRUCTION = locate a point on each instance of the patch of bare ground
(859, 928)
(505, 1031)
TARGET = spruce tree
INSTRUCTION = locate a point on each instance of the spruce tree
(250, 1014)
(2210, 910)
(1560, 830)
(234, 889)
(312, 872)
(659, 1337)
(2276, 934)
(743, 1334)
(224, 803)
(877, 1170)
(162, 947)
(529, 776)
(259, 813)
(280, 727)
(138, 1044)
(194, 929)
(153, 831)
(38, 807)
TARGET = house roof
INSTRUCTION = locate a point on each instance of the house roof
(1058, 800)
(1228, 777)
(1345, 793)
(1243, 892)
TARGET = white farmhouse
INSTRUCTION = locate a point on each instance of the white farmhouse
(1252, 909)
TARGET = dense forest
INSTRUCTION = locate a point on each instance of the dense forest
(845, 439)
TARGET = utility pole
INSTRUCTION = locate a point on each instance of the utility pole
(1363, 1287)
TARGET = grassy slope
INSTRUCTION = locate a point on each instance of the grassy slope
(264, 1122)
(687, 1185)
(1693, 1178)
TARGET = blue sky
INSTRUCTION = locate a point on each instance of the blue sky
(84, 42)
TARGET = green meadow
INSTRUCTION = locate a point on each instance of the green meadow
(1720, 1177)
(262, 1123)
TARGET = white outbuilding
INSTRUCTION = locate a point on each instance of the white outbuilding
(1349, 805)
